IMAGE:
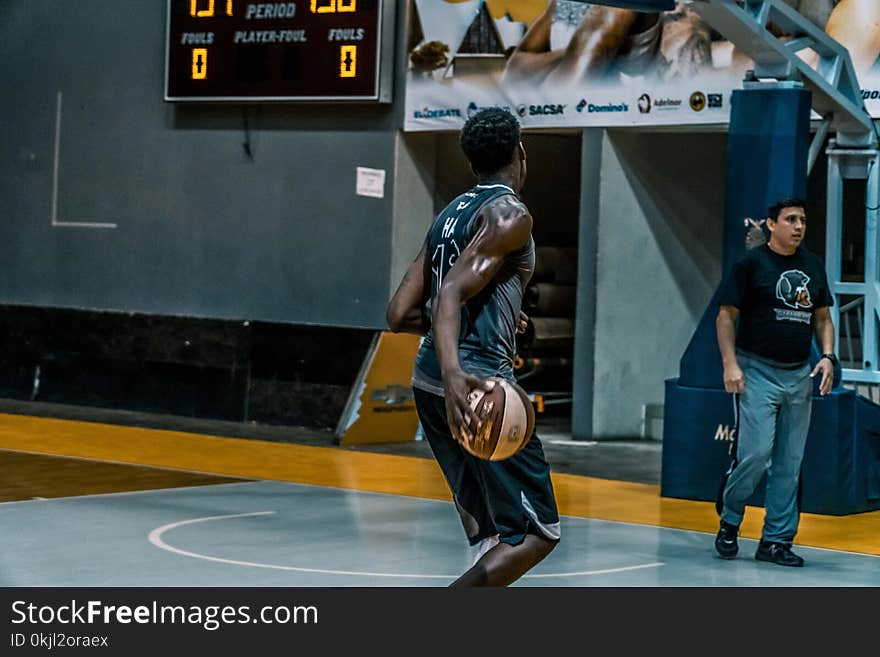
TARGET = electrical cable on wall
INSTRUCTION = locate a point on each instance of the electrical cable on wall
(246, 145)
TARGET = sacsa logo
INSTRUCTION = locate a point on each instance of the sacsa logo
(540, 110)
(537, 110)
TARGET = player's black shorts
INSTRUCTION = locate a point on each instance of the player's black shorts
(511, 498)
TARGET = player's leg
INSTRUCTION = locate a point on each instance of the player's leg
(457, 466)
(506, 563)
(520, 499)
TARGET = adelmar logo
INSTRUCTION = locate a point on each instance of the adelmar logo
(646, 104)
(667, 103)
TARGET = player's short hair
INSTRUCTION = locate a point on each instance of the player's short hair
(788, 202)
(489, 139)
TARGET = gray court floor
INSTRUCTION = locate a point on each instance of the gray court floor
(280, 534)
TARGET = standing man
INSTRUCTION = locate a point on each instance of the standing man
(780, 294)
(475, 263)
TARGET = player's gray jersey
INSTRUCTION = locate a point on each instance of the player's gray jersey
(487, 338)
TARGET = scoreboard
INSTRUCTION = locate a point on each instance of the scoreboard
(301, 50)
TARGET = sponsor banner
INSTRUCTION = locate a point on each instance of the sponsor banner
(567, 63)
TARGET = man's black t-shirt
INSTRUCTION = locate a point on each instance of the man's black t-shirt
(777, 296)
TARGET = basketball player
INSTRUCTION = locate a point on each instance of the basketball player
(572, 41)
(472, 270)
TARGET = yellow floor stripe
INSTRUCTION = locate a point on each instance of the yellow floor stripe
(586, 497)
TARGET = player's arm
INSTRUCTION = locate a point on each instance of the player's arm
(537, 37)
(595, 43)
(506, 226)
(532, 57)
(725, 328)
(856, 25)
(823, 326)
(406, 310)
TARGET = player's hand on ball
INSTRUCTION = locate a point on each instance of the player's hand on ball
(507, 421)
(463, 420)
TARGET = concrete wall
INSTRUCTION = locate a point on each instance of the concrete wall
(190, 223)
(658, 261)
(415, 164)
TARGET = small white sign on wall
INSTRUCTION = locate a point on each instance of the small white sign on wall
(371, 182)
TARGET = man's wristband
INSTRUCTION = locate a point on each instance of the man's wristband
(830, 357)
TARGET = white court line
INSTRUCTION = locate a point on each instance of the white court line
(155, 537)
(656, 564)
(802, 546)
(293, 484)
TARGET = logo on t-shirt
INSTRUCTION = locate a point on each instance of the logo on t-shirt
(791, 289)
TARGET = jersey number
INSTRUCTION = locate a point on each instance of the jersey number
(442, 260)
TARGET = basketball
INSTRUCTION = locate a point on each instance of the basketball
(508, 421)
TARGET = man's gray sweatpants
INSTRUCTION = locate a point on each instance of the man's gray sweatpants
(774, 418)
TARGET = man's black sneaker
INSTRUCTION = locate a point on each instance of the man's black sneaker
(778, 553)
(725, 541)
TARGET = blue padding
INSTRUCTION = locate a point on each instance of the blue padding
(700, 366)
(767, 150)
(827, 470)
(841, 468)
(866, 457)
(695, 453)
